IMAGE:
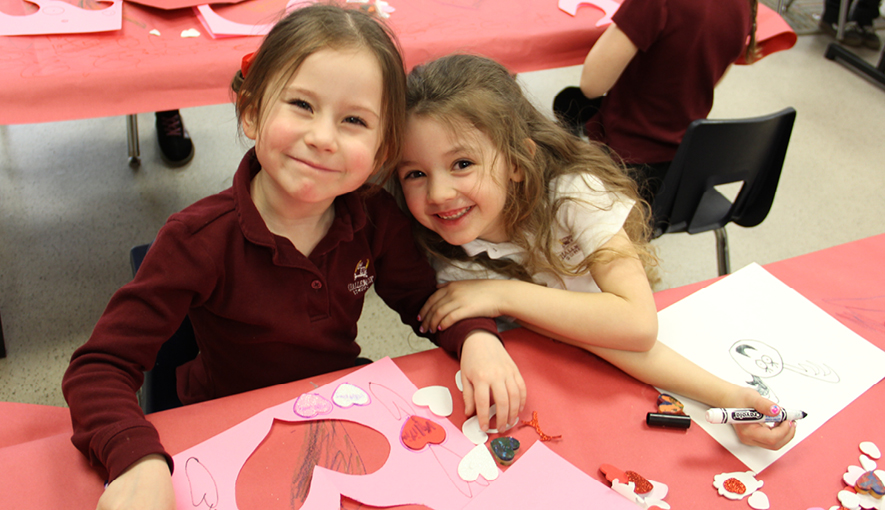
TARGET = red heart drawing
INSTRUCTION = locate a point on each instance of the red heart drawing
(418, 432)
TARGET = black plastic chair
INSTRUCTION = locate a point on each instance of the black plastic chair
(159, 392)
(718, 152)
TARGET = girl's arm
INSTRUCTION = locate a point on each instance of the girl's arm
(622, 316)
(606, 61)
(489, 375)
(665, 368)
(146, 484)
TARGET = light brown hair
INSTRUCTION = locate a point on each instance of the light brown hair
(309, 29)
(752, 52)
(482, 93)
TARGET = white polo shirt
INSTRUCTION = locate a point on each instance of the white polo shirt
(583, 225)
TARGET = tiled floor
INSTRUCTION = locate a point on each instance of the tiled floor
(71, 208)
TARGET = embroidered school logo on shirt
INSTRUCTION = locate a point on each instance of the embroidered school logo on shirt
(569, 247)
(361, 279)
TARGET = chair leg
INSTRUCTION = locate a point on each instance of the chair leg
(722, 251)
(2, 341)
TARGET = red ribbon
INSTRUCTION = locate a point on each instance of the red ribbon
(247, 63)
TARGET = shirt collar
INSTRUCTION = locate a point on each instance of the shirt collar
(494, 250)
(350, 211)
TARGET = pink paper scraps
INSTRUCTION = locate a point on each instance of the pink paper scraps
(428, 476)
(430, 462)
(608, 8)
(219, 26)
(57, 17)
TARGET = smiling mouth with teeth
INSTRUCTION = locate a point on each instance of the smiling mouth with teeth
(455, 215)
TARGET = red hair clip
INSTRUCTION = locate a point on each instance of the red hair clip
(247, 63)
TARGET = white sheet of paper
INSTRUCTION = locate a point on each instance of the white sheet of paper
(752, 324)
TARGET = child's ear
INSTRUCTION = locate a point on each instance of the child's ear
(518, 173)
(531, 145)
(250, 123)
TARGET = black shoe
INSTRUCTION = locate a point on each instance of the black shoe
(869, 37)
(176, 147)
(851, 35)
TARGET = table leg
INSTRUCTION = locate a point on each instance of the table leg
(132, 135)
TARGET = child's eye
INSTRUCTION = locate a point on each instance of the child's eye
(300, 103)
(412, 174)
(353, 119)
(461, 164)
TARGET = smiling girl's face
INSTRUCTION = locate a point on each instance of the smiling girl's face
(454, 181)
(322, 131)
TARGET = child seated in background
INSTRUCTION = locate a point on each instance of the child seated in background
(527, 222)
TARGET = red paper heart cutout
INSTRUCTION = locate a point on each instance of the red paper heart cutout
(418, 432)
(612, 473)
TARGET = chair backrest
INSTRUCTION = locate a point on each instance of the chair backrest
(159, 391)
(714, 152)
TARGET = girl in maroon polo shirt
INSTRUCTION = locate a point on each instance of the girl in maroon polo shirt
(273, 271)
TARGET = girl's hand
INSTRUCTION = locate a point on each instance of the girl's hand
(489, 374)
(760, 434)
(147, 484)
(455, 301)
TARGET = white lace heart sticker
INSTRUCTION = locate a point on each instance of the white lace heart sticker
(478, 461)
(347, 395)
(437, 398)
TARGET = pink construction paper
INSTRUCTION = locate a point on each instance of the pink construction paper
(207, 473)
(540, 478)
(57, 17)
(608, 8)
(179, 4)
(219, 26)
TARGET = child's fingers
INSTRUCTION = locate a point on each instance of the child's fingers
(441, 316)
(763, 436)
(433, 311)
(765, 406)
(481, 392)
(520, 391)
(467, 393)
(502, 405)
(509, 416)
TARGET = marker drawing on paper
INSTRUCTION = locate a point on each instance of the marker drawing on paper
(751, 329)
(762, 361)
